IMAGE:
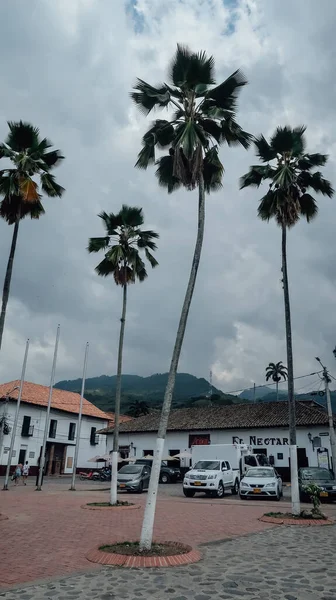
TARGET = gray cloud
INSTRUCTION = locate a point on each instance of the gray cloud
(69, 68)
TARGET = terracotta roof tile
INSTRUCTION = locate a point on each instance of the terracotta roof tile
(236, 416)
(34, 393)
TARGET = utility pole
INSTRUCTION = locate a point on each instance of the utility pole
(332, 435)
(46, 426)
(73, 480)
(16, 418)
(254, 393)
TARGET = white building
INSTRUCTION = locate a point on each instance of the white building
(263, 425)
(62, 429)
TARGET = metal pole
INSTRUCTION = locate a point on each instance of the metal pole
(16, 418)
(332, 435)
(254, 392)
(2, 423)
(73, 480)
(52, 380)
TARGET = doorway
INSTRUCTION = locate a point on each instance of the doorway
(302, 458)
(22, 454)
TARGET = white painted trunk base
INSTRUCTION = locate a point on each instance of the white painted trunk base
(113, 490)
(296, 508)
(148, 521)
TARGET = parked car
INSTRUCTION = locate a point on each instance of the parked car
(133, 478)
(167, 474)
(261, 482)
(214, 477)
(318, 476)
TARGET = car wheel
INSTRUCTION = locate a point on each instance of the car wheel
(278, 496)
(189, 493)
(164, 478)
(219, 493)
(235, 488)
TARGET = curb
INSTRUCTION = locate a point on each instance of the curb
(128, 561)
(286, 521)
(132, 507)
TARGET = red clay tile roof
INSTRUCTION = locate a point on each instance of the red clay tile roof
(122, 418)
(236, 416)
(33, 393)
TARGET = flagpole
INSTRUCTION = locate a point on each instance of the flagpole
(16, 418)
(79, 424)
(46, 427)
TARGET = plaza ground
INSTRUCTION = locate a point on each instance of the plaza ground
(48, 534)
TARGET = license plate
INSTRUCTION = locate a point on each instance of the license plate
(324, 494)
(122, 485)
(257, 491)
(198, 483)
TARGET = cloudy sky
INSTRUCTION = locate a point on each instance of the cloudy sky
(68, 67)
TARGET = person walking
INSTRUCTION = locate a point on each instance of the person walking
(25, 472)
(18, 473)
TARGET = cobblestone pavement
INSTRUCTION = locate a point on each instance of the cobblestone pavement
(283, 563)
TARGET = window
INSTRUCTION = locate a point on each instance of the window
(94, 439)
(52, 428)
(147, 452)
(27, 429)
(72, 431)
(280, 456)
(31, 454)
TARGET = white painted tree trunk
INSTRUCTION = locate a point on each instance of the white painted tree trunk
(149, 516)
(295, 492)
(115, 450)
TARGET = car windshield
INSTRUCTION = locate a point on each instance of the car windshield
(315, 473)
(209, 465)
(259, 472)
(130, 469)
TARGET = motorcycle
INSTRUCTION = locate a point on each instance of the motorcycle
(91, 476)
(105, 474)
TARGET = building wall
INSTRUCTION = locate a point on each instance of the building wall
(33, 444)
(274, 441)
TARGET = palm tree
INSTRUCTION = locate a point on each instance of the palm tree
(21, 185)
(138, 408)
(290, 172)
(276, 372)
(122, 244)
(203, 118)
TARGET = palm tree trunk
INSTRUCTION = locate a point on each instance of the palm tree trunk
(8, 277)
(148, 522)
(115, 451)
(277, 390)
(291, 398)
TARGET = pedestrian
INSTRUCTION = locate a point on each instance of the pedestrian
(25, 472)
(18, 473)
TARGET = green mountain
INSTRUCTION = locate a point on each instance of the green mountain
(189, 391)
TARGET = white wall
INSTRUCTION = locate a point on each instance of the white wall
(33, 443)
(274, 440)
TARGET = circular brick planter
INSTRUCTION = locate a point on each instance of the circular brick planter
(125, 560)
(288, 521)
(115, 508)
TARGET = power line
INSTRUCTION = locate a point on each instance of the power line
(269, 384)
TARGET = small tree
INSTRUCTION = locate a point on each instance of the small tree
(276, 372)
(122, 244)
(138, 408)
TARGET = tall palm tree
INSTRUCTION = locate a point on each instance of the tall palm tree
(138, 408)
(202, 117)
(122, 244)
(276, 372)
(289, 169)
(22, 184)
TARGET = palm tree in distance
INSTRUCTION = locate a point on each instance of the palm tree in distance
(122, 244)
(290, 172)
(202, 118)
(21, 186)
(276, 372)
(138, 408)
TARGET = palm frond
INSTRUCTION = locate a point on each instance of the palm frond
(213, 171)
(50, 186)
(268, 206)
(164, 173)
(287, 140)
(308, 206)
(52, 159)
(22, 135)
(151, 259)
(146, 97)
(224, 95)
(317, 182)
(309, 161)
(98, 243)
(211, 128)
(263, 149)
(188, 69)
(234, 135)
(28, 189)
(256, 175)
(131, 216)
(146, 157)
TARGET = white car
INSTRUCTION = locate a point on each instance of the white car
(261, 482)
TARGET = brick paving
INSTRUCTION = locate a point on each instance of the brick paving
(48, 534)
